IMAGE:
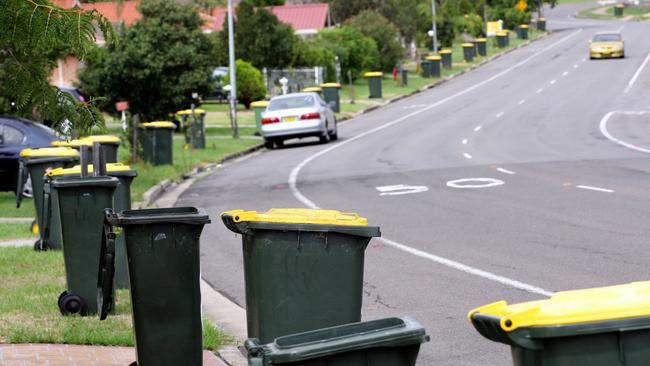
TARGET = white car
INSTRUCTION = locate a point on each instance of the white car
(297, 115)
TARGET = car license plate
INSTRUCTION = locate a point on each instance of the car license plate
(290, 119)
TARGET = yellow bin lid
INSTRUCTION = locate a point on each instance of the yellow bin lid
(158, 124)
(373, 74)
(72, 143)
(620, 5)
(330, 85)
(523, 26)
(300, 216)
(577, 306)
(110, 168)
(444, 51)
(189, 111)
(481, 40)
(541, 19)
(260, 103)
(467, 45)
(102, 138)
(502, 33)
(49, 151)
(433, 58)
(312, 89)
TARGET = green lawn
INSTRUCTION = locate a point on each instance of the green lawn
(11, 231)
(32, 282)
(8, 206)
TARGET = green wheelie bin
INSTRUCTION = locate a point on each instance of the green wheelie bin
(164, 274)
(481, 45)
(426, 69)
(332, 95)
(35, 163)
(121, 202)
(259, 107)
(522, 31)
(383, 342)
(468, 52)
(541, 24)
(606, 326)
(82, 201)
(374, 83)
(303, 268)
(502, 39)
(109, 143)
(446, 56)
(618, 10)
(434, 65)
(157, 142)
(194, 127)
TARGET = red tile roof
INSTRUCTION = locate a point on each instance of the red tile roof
(127, 13)
(301, 17)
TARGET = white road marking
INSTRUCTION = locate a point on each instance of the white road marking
(522, 101)
(603, 129)
(506, 171)
(596, 189)
(486, 183)
(467, 156)
(413, 106)
(293, 176)
(464, 141)
(553, 81)
(565, 73)
(619, 30)
(400, 189)
(575, 66)
(477, 128)
(540, 90)
(500, 114)
(584, 59)
(636, 75)
(467, 269)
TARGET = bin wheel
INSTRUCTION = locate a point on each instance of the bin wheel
(71, 304)
(61, 298)
(41, 245)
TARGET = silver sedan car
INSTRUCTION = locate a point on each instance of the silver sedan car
(297, 115)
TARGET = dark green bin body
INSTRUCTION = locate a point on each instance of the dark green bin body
(446, 60)
(620, 342)
(426, 69)
(81, 207)
(37, 167)
(541, 24)
(332, 94)
(482, 48)
(374, 86)
(618, 10)
(121, 202)
(162, 247)
(405, 77)
(194, 130)
(435, 68)
(522, 32)
(157, 145)
(502, 41)
(468, 53)
(301, 277)
(110, 151)
(384, 342)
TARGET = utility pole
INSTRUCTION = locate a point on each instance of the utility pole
(433, 27)
(233, 74)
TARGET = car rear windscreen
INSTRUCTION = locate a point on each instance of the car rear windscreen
(291, 103)
(607, 38)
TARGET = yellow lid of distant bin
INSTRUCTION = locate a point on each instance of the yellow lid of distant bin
(467, 45)
(76, 170)
(524, 26)
(620, 5)
(444, 51)
(316, 89)
(260, 103)
(571, 307)
(189, 111)
(480, 40)
(72, 143)
(541, 19)
(330, 85)
(158, 124)
(433, 58)
(49, 151)
(300, 216)
(502, 34)
(101, 138)
(373, 74)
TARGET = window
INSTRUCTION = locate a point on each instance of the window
(291, 102)
(607, 38)
(10, 136)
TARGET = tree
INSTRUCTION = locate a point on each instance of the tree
(250, 83)
(384, 33)
(161, 60)
(33, 35)
(355, 51)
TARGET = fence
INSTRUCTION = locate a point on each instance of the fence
(298, 79)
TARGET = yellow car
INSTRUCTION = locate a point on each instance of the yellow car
(607, 44)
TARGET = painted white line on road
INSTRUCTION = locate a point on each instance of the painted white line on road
(500, 114)
(400, 189)
(293, 176)
(506, 171)
(565, 73)
(636, 75)
(584, 59)
(464, 141)
(477, 128)
(483, 183)
(539, 90)
(603, 129)
(619, 30)
(467, 269)
(596, 189)
(575, 66)
(467, 156)
(553, 81)
(522, 101)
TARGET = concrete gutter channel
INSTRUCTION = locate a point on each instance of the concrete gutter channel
(217, 308)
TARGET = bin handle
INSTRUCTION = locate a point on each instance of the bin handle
(21, 182)
(106, 266)
(44, 232)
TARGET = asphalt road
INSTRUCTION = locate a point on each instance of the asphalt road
(556, 147)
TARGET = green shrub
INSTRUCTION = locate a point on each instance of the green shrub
(355, 51)
(250, 83)
(384, 33)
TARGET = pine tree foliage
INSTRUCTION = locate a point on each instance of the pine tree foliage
(33, 35)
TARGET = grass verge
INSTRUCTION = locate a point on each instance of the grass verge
(11, 231)
(8, 206)
(32, 282)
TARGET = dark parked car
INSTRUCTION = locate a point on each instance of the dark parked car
(17, 134)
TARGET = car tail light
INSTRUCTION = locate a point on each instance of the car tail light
(310, 116)
(266, 121)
